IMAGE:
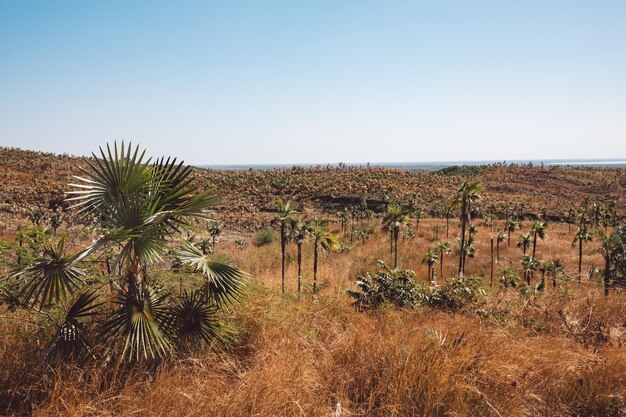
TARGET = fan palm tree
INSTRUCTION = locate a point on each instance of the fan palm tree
(529, 266)
(430, 259)
(301, 231)
(395, 217)
(612, 246)
(140, 205)
(418, 214)
(538, 230)
(524, 241)
(215, 229)
(285, 214)
(448, 211)
(582, 235)
(324, 240)
(444, 249)
(500, 236)
(467, 195)
(511, 226)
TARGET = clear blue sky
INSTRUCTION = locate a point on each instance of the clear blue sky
(317, 81)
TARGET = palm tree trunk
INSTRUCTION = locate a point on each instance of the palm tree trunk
(299, 266)
(447, 226)
(607, 272)
(498, 251)
(534, 245)
(391, 242)
(441, 263)
(508, 242)
(315, 249)
(282, 251)
(580, 259)
(461, 255)
(491, 278)
(395, 241)
(429, 267)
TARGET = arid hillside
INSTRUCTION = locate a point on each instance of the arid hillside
(31, 180)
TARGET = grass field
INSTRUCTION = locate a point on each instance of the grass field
(557, 353)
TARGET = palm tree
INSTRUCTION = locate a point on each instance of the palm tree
(467, 195)
(138, 204)
(444, 249)
(597, 211)
(301, 230)
(430, 259)
(524, 241)
(582, 235)
(323, 239)
(56, 219)
(511, 226)
(537, 229)
(529, 266)
(285, 213)
(418, 214)
(500, 236)
(395, 217)
(214, 231)
(448, 211)
(612, 248)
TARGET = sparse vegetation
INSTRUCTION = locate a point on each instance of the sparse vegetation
(539, 343)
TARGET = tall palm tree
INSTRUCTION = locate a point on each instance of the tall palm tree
(612, 248)
(430, 259)
(467, 195)
(511, 226)
(500, 236)
(323, 240)
(582, 235)
(529, 266)
(215, 229)
(285, 213)
(524, 241)
(444, 249)
(301, 231)
(448, 211)
(597, 212)
(139, 204)
(418, 214)
(538, 230)
(395, 217)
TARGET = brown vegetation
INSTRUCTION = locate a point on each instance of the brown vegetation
(556, 351)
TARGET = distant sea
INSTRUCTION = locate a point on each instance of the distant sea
(432, 166)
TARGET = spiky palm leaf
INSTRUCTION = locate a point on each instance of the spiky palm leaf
(224, 283)
(196, 319)
(138, 203)
(69, 337)
(143, 322)
(52, 277)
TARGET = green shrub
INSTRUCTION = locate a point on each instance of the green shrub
(454, 294)
(398, 287)
(395, 286)
(264, 237)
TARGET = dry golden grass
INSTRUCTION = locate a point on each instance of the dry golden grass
(555, 354)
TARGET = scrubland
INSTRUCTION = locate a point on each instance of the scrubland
(558, 352)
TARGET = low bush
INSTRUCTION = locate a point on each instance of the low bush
(398, 288)
(264, 237)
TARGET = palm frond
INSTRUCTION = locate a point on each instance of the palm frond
(111, 178)
(224, 283)
(69, 338)
(196, 320)
(52, 277)
(143, 322)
